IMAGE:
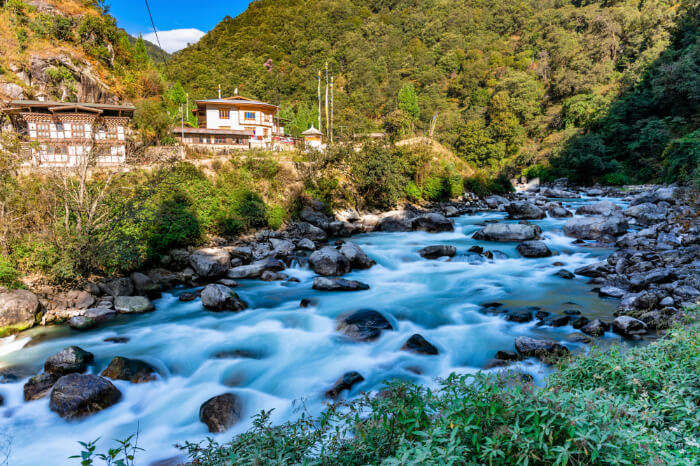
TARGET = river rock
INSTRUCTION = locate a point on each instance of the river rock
(143, 284)
(611, 292)
(338, 284)
(595, 328)
(256, 269)
(117, 287)
(217, 297)
(69, 360)
(495, 202)
(39, 386)
(78, 395)
(557, 193)
(306, 244)
(306, 230)
(133, 370)
(220, 412)
(604, 208)
(187, 297)
(664, 194)
(74, 299)
(328, 261)
(595, 228)
(628, 326)
(437, 251)
(558, 211)
(357, 257)
(82, 323)
(133, 304)
(505, 232)
(545, 350)
(565, 274)
(417, 344)
(363, 325)
(597, 269)
(210, 262)
(18, 311)
(282, 248)
(432, 222)
(520, 316)
(396, 220)
(346, 382)
(534, 249)
(523, 210)
(577, 337)
(647, 213)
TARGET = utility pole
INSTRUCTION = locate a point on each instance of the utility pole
(187, 97)
(327, 117)
(331, 126)
(319, 100)
(182, 125)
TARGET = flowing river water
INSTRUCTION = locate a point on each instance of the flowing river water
(276, 353)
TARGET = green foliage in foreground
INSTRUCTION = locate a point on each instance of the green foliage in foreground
(619, 406)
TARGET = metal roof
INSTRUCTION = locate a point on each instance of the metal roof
(235, 102)
(57, 105)
(230, 132)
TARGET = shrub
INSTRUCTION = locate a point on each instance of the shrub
(276, 216)
(376, 175)
(174, 225)
(9, 275)
(412, 192)
(614, 179)
(482, 186)
(681, 159)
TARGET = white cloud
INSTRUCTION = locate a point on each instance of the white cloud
(175, 39)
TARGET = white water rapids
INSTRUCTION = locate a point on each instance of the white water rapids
(293, 353)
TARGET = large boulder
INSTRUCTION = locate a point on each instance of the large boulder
(596, 328)
(78, 395)
(329, 261)
(133, 370)
(418, 344)
(533, 248)
(495, 202)
(505, 232)
(597, 269)
(117, 287)
(557, 193)
(432, 222)
(545, 350)
(346, 382)
(306, 230)
(604, 208)
(628, 326)
(143, 284)
(39, 386)
(217, 297)
(256, 269)
(437, 251)
(220, 412)
(357, 257)
(69, 360)
(647, 213)
(210, 262)
(396, 220)
(18, 311)
(338, 284)
(133, 304)
(595, 228)
(665, 194)
(363, 325)
(557, 211)
(523, 210)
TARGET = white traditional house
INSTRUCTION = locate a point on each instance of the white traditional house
(62, 134)
(236, 121)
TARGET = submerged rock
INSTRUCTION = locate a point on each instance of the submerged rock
(519, 316)
(437, 251)
(78, 395)
(508, 232)
(565, 274)
(217, 297)
(69, 360)
(533, 249)
(220, 412)
(328, 261)
(338, 284)
(133, 370)
(346, 382)
(545, 350)
(363, 325)
(417, 344)
(39, 386)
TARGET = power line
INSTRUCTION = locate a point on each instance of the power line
(155, 31)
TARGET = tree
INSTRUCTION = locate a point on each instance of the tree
(408, 101)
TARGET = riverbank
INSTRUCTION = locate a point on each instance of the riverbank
(621, 405)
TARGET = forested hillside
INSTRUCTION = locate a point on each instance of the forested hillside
(512, 81)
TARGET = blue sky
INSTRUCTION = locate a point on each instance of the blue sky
(178, 21)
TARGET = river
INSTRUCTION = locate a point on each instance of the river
(276, 354)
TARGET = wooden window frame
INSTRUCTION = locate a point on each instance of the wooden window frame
(224, 114)
(247, 118)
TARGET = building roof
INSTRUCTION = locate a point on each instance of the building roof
(236, 100)
(229, 132)
(54, 106)
(312, 132)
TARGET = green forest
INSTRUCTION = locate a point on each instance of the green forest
(598, 91)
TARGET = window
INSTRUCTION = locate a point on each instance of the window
(112, 132)
(224, 113)
(78, 130)
(220, 139)
(249, 115)
(43, 130)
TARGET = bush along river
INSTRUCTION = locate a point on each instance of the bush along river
(307, 315)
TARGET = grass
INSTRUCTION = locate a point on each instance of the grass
(618, 406)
